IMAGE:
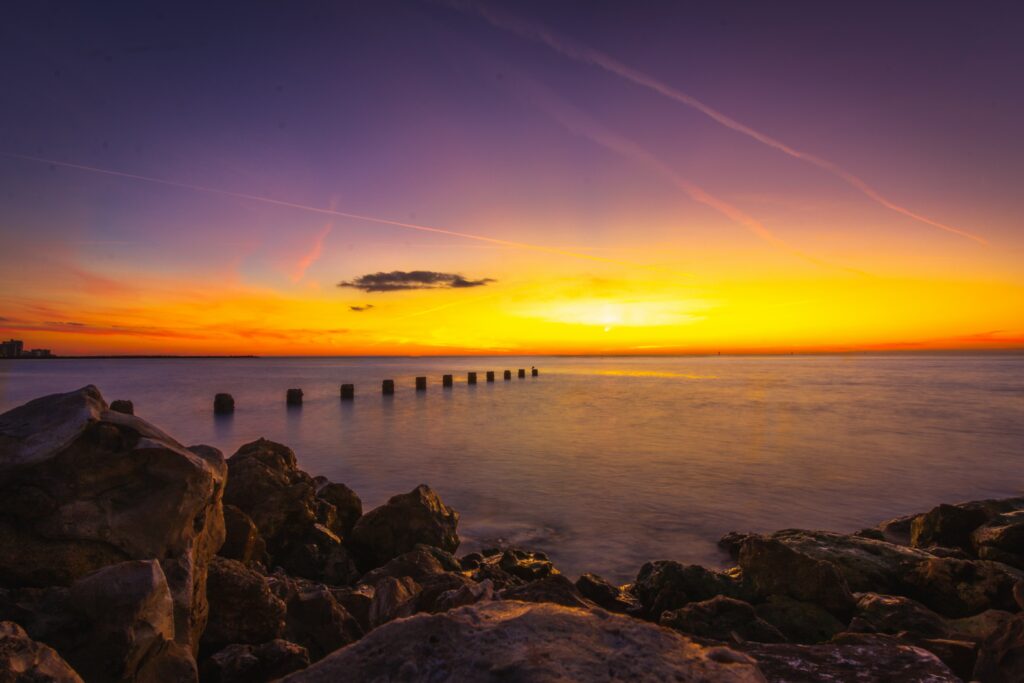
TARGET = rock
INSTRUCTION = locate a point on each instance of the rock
(870, 660)
(607, 595)
(22, 660)
(242, 607)
(320, 556)
(243, 541)
(467, 594)
(866, 564)
(773, 568)
(961, 588)
(528, 566)
(347, 505)
(393, 598)
(1001, 655)
(980, 626)
(83, 487)
(255, 663)
(731, 543)
(895, 614)
(668, 585)
(799, 622)
(317, 621)
(404, 521)
(897, 530)
(1001, 539)
(722, 618)
(515, 641)
(122, 406)
(947, 525)
(418, 564)
(356, 600)
(556, 589)
(434, 588)
(265, 482)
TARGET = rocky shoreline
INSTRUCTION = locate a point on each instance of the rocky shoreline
(125, 556)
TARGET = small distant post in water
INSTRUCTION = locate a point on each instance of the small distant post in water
(122, 406)
(387, 387)
(421, 384)
(508, 375)
(471, 378)
(223, 404)
(294, 397)
(522, 373)
(348, 392)
(533, 372)
(490, 375)
(446, 381)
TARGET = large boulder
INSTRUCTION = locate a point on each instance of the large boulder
(893, 614)
(961, 588)
(606, 594)
(722, 618)
(949, 526)
(1001, 539)
(773, 568)
(22, 660)
(315, 618)
(393, 598)
(800, 622)
(83, 487)
(348, 507)
(242, 607)
(516, 641)
(403, 522)
(1001, 656)
(242, 539)
(667, 585)
(871, 660)
(254, 663)
(554, 588)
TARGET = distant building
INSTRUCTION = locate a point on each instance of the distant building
(11, 348)
(37, 353)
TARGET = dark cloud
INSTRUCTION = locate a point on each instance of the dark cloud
(360, 309)
(412, 279)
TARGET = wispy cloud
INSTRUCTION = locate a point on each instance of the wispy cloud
(586, 55)
(360, 309)
(313, 255)
(398, 280)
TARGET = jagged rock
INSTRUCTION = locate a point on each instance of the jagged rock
(896, 614)
(83, 487)
(468, 594)
(947, 525)
(773, 568)
(318, 622)
(403, 522)
(319, 555)
(606, 595)
(393, 598)
(515, 641)
(265, 482)
(22, 660)
(866, 564)
(722, 618)
(1001, 655)
(528, 566)
(418, 564)
(122, 406)
(356, 600)
(961, 588)
(870, 660)
(799, 622)
(254, 663)
(1001, 539)
(242, 607)
(433, 589)
(667, 585)
(347, 506)
(731, 543)
(243, 541)
(897, 529)
(555, 588)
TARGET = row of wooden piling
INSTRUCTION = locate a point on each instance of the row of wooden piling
(225, 403)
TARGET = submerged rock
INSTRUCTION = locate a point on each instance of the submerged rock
(403, 522)
(83, 487)
(515, 641)
(22, 660)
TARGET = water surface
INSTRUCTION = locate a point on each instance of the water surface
(607, 462)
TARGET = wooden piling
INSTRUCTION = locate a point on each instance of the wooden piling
(446, 380)
(348, 392)
(508, 374)
(421, 384)
(471, 378)
(522, 373)
(123, 406)
(490, 375)
(533, 371)
(387, 387)
(293, 397)
(223, 404)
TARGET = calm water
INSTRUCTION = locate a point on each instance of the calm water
(608, 462)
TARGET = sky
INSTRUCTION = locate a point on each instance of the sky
(463, 177)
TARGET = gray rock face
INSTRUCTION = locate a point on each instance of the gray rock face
(403, 522)
(83, 487)
(515, 641)
(22, 660)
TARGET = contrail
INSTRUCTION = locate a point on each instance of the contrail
(587, 55)
(332, 212)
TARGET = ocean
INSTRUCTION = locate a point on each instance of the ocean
(605, 463)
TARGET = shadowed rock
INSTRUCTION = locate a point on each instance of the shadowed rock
(242, 607)
(722, 618)
(606, 595)
(556, 589)
(83, 487)
(773, 568)
(667, 585)
(961, 588)
(515, 641)
(255, 663)
(242, 539)
(403, 522)
(347, 505)
(1001, 539)
(22, 660)
(800, 622)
